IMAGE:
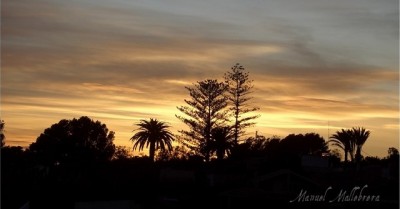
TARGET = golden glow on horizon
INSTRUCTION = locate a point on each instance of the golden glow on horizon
(100, 106)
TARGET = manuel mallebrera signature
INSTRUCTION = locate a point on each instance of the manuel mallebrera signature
(357, 194)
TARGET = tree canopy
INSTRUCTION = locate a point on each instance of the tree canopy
(152, 133)
(351, 142)
(344, 140)
(76, 140)
(204, 112)
(238, 89)
(299, 144)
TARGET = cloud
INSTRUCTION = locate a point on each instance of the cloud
(120, 61)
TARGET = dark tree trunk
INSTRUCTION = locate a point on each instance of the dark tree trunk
(358, 158)
(152, 150)
(220, 154)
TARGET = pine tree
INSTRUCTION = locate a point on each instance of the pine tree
(204, 111)
(238, 88)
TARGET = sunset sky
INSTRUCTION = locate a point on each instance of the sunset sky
(318, 65)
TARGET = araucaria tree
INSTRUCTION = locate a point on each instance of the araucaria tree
(204, 112)
(238, 89)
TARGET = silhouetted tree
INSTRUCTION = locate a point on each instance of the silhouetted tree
(393, 152)
(12, 156)
(221, 141)
(152, 133)
(257, 143)
(75, 140)
(360, 136)
(176, 153)
(238, 88)
(309, 143)
(2, 136)
(344, 140)
(204, 112)
(272, 146)
(121, 153)
(258, 146)
(393, 163)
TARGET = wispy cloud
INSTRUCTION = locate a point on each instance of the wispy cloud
(312, 61)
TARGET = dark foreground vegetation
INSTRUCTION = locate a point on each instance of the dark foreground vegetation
(256, 180)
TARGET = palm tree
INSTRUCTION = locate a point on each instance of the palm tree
(154, 133)
(360, 136)
(221, 141)
(344, 140)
